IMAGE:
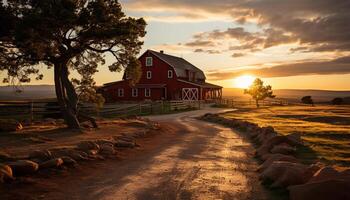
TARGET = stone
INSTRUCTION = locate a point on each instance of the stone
(5, 156)
(5, 173)
(284, 174)
(23, 167)
(10, 125)
(324, 190)
(104, 141)
(69, 161)
(87, 145)
(41, 155)
(53, 163)
(274, 158)
(107, 149)
(124, 144)
(73, 153)
(330, 173)
(283, 148)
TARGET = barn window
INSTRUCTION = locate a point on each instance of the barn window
(147, 92)
(170, 74)
(149, 74)
(134, 92)
(149, 61)
(120, 92)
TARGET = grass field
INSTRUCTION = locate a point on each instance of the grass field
(324, 128)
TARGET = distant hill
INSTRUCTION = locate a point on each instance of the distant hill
(28, 92)
(48, 91)
(292, 94)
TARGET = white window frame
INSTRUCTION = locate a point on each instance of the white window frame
(170, 74)
(149, 74)
(149, 61)
(148, 94)
(120, 92)
(133, 93)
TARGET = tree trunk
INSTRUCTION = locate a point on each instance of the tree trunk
(66, 96)
(257, 103)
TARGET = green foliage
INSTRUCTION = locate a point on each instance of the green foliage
(259, 92)
(337, 101)
(80, 34)
(307, 100)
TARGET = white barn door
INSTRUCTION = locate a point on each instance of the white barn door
(189, 94)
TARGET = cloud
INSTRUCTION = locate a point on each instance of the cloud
(336, 66)
(318, 26)
(235, 55)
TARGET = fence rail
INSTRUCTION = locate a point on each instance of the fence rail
(49, 109)
(237, 103)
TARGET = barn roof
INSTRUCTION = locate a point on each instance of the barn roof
(180, 65)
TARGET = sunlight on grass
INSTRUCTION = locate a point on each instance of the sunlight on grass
(325, 129)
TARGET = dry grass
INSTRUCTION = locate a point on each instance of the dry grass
(325, 128)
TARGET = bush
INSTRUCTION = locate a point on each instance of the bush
(337, 101)
(307, 100)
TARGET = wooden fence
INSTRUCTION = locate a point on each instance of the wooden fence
(31, 110)
(239, 103)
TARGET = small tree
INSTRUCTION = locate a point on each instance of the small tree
(259, 92)
(307, 100)
(68, 35)
(337, 101)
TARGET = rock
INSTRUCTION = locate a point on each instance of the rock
(104, 141)
(5, 173)
(284, 174)
(274, 158)
(126, 138)
(5, 157)
(23, 167)
(283, 148)
(107, 149)
(73, 153)
(137, 123)
(295, 139)
(124, 144)
(264, 151)
(324, 190)
(69, 161)
(9, 125)
(87, 145)
(41, 155)
(53, 163)
(330, 173)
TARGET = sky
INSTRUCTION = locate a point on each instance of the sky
(290, 44)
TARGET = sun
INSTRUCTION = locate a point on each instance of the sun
(244, 81)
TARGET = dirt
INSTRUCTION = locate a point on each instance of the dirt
(187, 159)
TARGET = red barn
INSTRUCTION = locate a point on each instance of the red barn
(164, 77)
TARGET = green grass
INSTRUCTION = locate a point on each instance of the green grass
(324, 128)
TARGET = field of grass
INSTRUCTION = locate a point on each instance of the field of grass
(324, 128)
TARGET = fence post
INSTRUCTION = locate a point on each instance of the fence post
(140, 108)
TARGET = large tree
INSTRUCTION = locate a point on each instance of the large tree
(67, 35)
(259, 92)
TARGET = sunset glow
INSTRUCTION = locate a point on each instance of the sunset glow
(243, 81)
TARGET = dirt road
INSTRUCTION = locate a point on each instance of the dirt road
(190, 160)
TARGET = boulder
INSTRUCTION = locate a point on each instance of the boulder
(5, 173)
(41, 155)
(53, 163)
(73, 153)
(107, 149)
(9, 125)
(283, 148)
(284, 174)
(330, 173)
(264, 151)
(126, 138)
(104, 141)
(125, 144)
(324, 190)
(274, 158)
(5, 157)
(69, 161)
(87, 145)
(23, 167)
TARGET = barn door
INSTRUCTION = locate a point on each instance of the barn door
(189, 94)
